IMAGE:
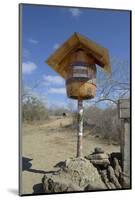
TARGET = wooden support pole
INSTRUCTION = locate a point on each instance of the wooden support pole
(125, 147)
(124, 115)
(80, 128)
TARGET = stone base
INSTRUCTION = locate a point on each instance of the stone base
(76, 174)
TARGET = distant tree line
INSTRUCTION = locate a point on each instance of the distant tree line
(33, 110)
(104, 122)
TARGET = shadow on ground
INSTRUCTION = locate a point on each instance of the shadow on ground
(38, 189)
(26, 163)
(26, 166)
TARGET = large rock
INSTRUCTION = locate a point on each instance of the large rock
(112, 177)
(125, 181)
(77, 174)
(106, 180)
(98, 150)
(101, 163)
(98, 156)
(50, 185)
(98, 159)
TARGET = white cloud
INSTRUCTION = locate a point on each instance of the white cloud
(28, 67)
(56, 46)
(53, 80)
(25, 53)
(75, 12)
(32, 41)
(57, 90)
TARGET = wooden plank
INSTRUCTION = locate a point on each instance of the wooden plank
(124, 103)
(124, 108)
(124, 113)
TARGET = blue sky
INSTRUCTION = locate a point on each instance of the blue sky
(45, 28)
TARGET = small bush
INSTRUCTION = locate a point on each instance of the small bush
(33, 110)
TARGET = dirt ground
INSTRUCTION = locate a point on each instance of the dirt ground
(43, 146)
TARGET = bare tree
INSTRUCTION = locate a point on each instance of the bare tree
(112, 87)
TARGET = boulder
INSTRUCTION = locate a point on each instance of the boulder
(125, 181)
(98, 150)
(78, 174)
(117, 168)
(112, 177)
(104, 177)
(98, 156)
(50, 185)
(103, 162)
(99, 159)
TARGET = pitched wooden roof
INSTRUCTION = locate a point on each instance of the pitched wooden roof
(59, 59)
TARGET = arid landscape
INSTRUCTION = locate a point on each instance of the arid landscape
(44, 145)
(74, 82)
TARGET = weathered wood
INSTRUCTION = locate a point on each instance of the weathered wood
(124, 115)
(124, 108)
(124, 103)
(81, 78)
(80, 90)
(59, 59)
(126, 147)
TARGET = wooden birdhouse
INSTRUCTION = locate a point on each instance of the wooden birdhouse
(75, 61)
(81, 76)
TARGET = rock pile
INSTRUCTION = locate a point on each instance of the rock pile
(99, 158)
(97, 171)
(76, 174)
(109, 168)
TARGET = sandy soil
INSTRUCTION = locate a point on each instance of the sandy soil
(45, 145)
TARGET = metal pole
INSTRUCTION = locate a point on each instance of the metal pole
(80, 128)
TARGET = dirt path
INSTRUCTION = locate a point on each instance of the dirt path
(47, 144)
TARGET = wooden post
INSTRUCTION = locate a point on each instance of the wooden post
(126, 148)
(80, 128)
(124, 115)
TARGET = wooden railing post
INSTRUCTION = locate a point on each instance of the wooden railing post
(124, 115)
